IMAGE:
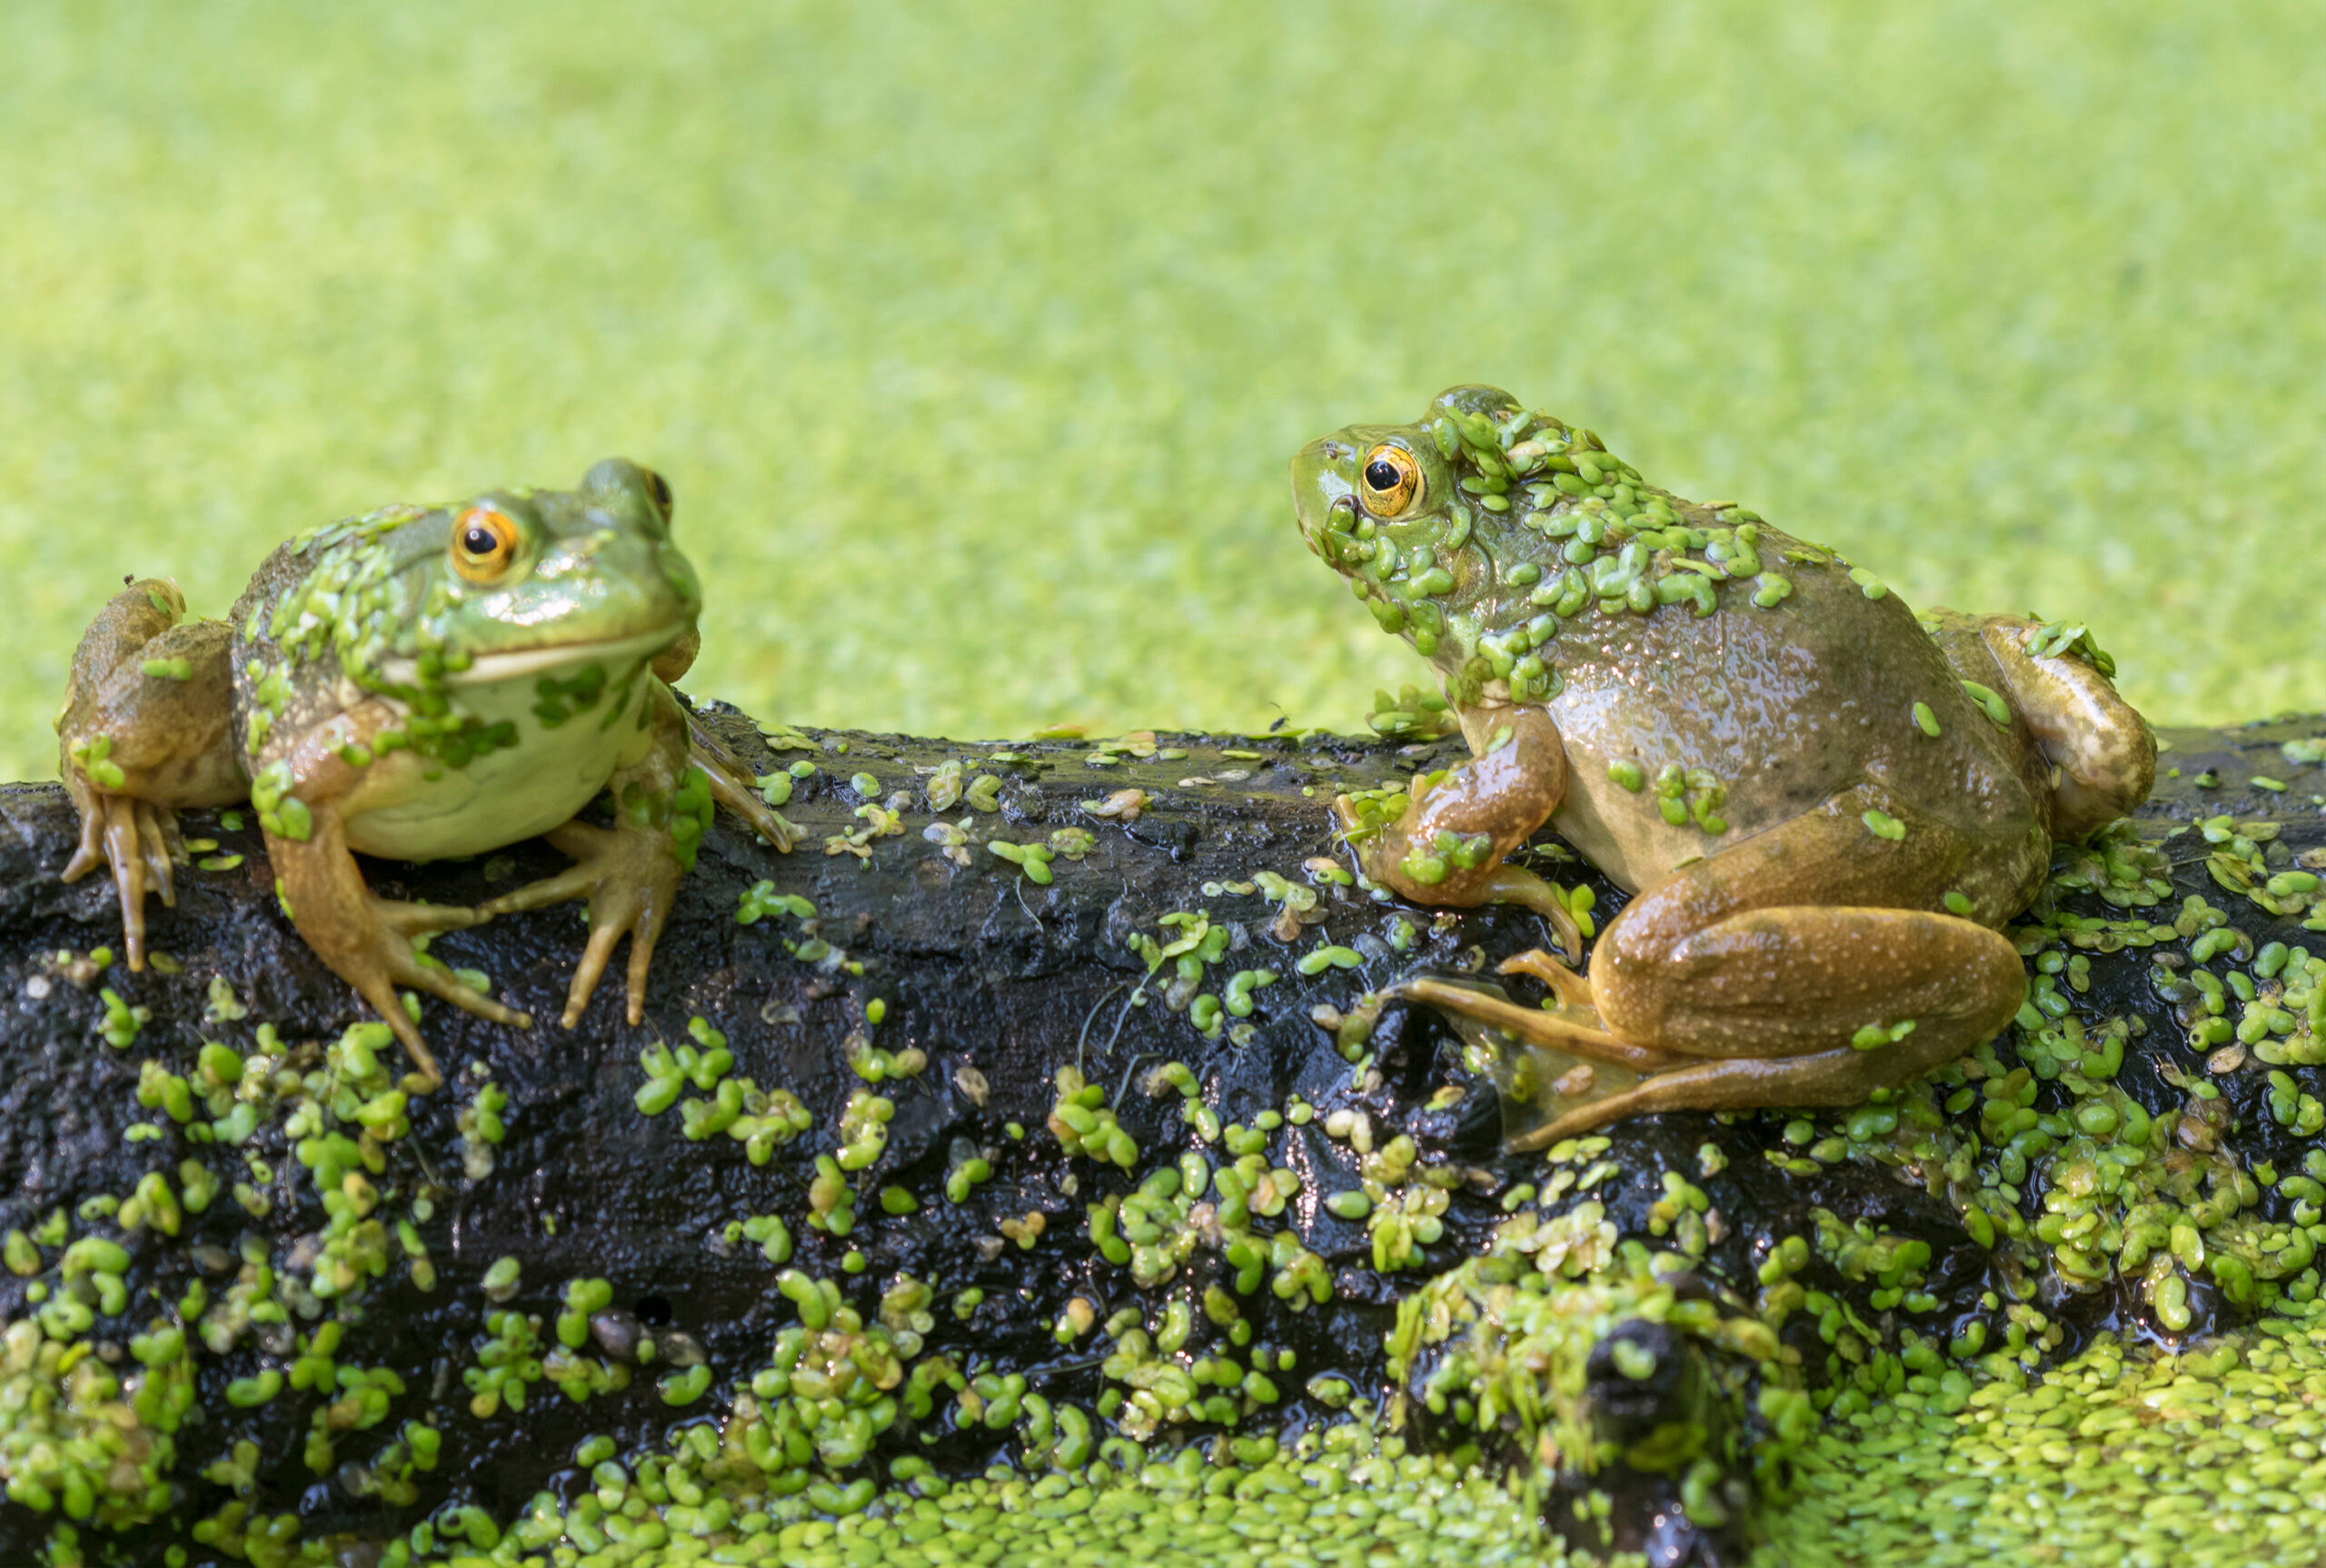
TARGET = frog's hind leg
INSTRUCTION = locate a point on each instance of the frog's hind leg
(145, 731)
(1781, 971)
(2102, 755)
(1800, 935)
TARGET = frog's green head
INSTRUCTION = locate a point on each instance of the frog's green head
(1423, 522)
(510, 584)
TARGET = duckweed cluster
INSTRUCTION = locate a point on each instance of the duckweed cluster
(2121, 1454)
(93, 1439)
(1331, 1496)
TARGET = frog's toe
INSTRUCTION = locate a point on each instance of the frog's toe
(442, 984)
(589, 971)
(745, 803)
(576, 881)
(1563, 1030)
(377, 985)
(614, 913)
(439, 982)
(1573, 990)
(408, 920)
(731, 786)
(90, 853)
(390, 963)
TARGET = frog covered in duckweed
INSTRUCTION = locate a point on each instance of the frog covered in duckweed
(417, 683)
(1822, 807)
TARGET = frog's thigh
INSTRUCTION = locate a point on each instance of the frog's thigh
(166, 705)
(1765, 952)
(2101, 747)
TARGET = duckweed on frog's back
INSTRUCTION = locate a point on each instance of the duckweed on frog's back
(418, 683)
(1825, 807)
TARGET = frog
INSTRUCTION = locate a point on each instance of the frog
(419, 684)
(1823, 807)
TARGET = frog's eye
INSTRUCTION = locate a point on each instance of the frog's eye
(657, 489)
(1391, 479)
(484, 542)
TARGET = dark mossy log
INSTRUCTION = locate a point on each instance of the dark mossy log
(250, 1287)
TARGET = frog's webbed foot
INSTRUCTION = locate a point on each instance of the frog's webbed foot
(367, 940)
(384, 959)
(631, 879)
(1583, 1036)
(140, 841)
(1558, 1072)
(1559, 1076)
(731, 786)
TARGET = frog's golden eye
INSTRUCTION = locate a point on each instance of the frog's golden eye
(1391, 480)
(484, 542)
(657, 489)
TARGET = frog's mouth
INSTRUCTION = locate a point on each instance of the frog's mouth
(518, 664)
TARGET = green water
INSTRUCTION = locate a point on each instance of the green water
(975, 340)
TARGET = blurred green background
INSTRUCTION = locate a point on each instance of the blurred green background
(975, 340)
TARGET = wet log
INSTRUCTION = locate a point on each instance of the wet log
(945, 1109)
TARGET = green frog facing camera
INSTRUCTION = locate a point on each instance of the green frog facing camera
(1822, 807)
(418, 683)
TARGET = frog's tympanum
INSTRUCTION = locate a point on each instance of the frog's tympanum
(419, 684)
(1822, 807)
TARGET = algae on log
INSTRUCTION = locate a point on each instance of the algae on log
(1011, 1131)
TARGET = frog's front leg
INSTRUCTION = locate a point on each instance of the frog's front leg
(145, 732)
(305, 801)
(1807, 966)
(731, 786)
(1448, 847)
(629, 873)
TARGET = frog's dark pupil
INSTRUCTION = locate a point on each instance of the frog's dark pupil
(1382, 474)
(480, 540)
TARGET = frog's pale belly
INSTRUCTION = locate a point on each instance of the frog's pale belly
(511, 793)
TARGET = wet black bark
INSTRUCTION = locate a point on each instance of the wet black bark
(980, 967)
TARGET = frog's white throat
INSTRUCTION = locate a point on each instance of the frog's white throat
(555, 757)
(518, 664)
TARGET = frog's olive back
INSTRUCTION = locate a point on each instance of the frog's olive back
(1482, 528)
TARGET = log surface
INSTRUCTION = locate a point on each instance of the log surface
(987, 973)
